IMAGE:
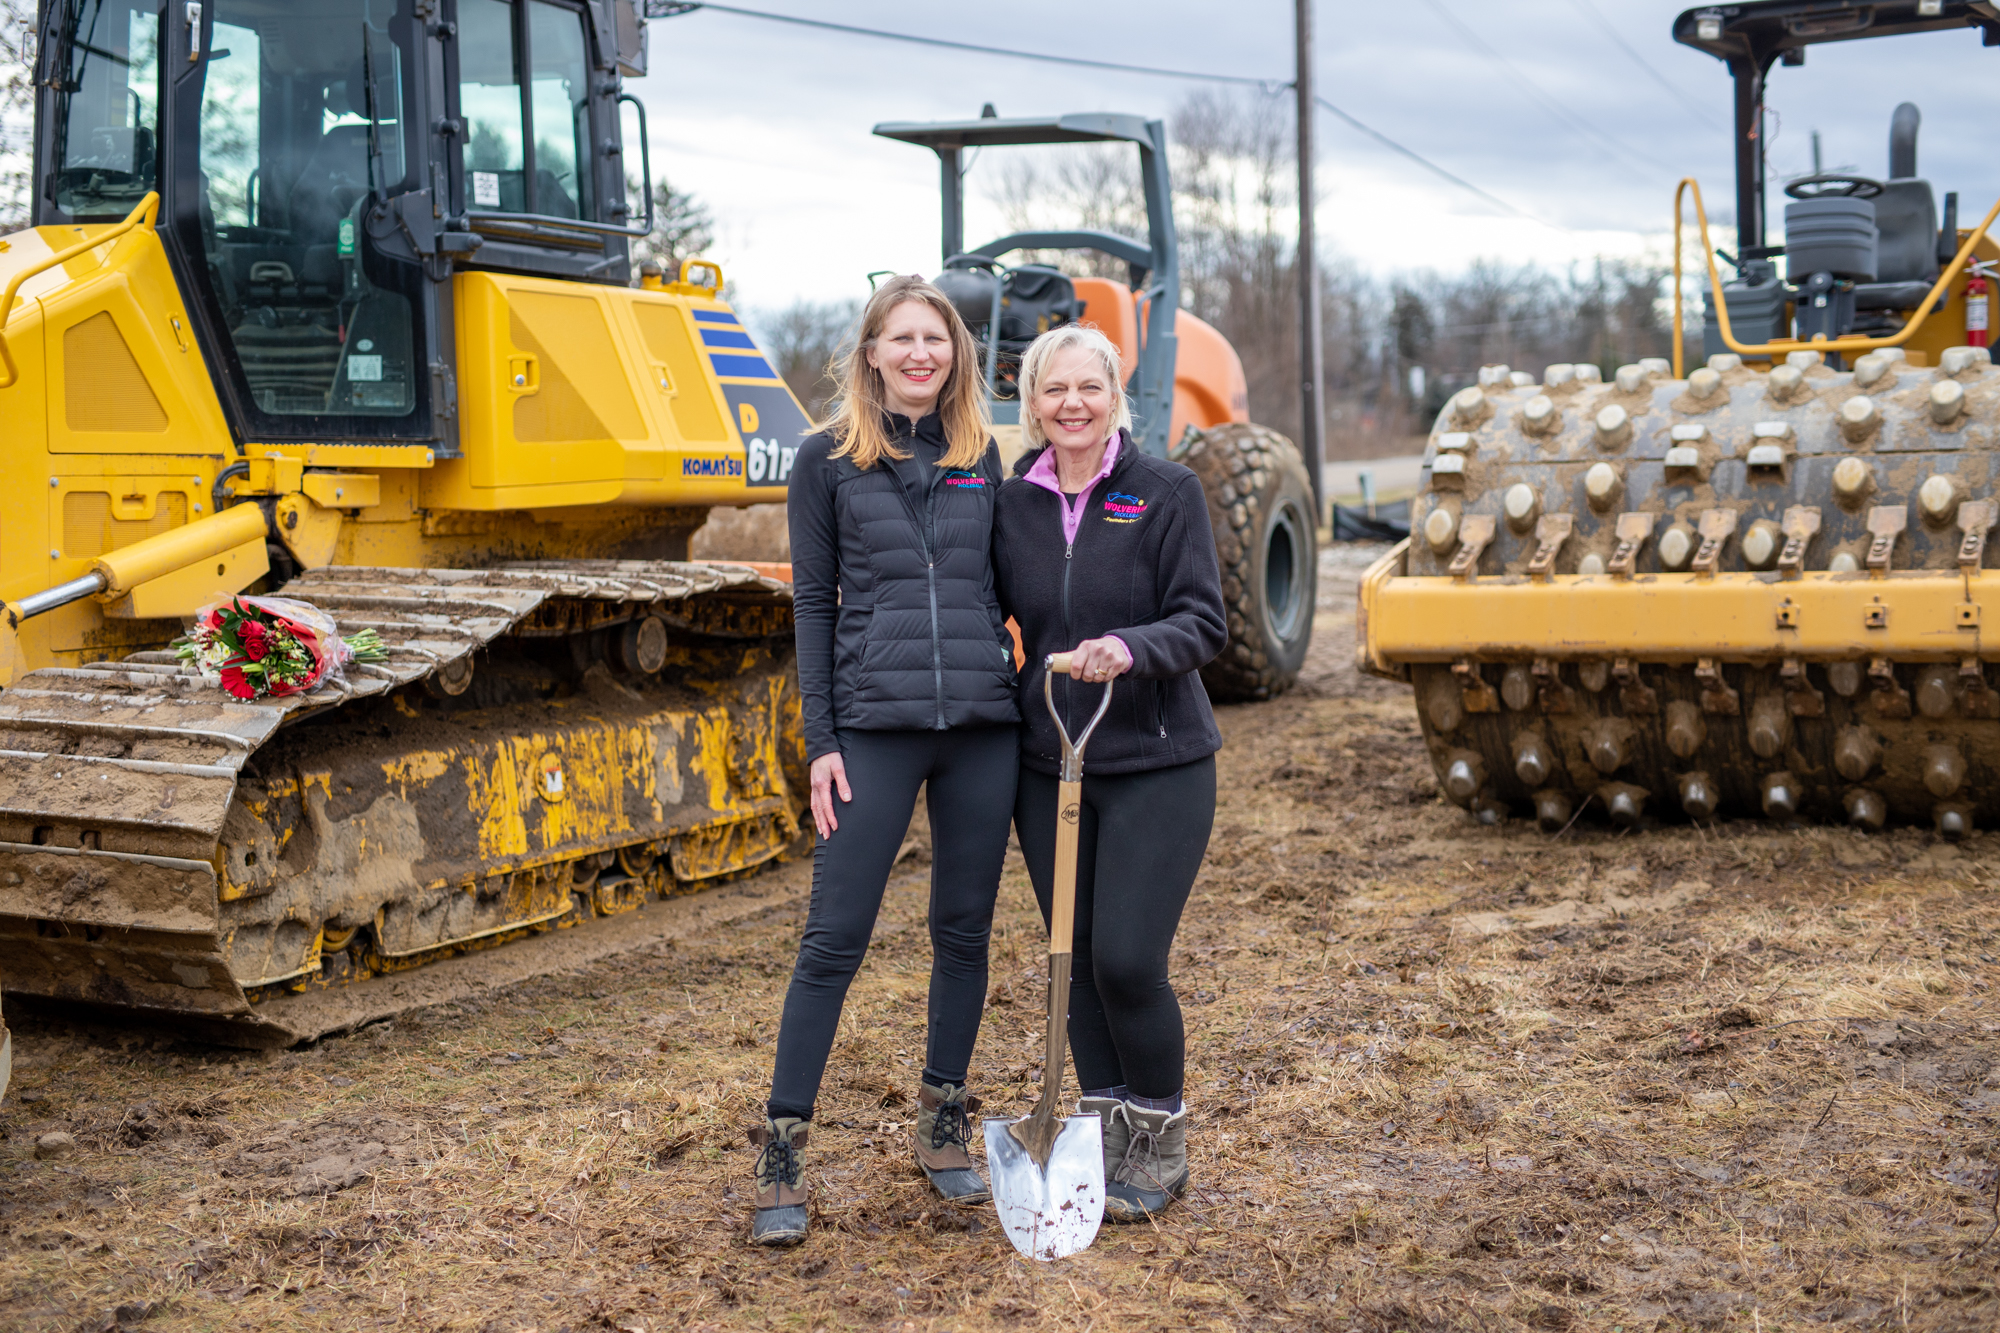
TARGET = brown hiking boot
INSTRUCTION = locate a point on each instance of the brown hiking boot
(1117, 1134)
(781, 1183)
(943, 1129)
(1154, 1171)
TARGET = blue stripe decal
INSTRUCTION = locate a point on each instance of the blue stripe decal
(727, 338)
(745, 367)
(714, 317)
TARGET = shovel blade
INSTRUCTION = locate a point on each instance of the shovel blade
(1054, 1211)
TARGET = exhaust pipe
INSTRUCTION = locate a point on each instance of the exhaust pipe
(1903, 123)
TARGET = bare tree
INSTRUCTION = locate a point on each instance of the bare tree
(802, 340)
(1233, 202)
(1605, 313)
(1094, 186)
(17, 113)
(1234, 208)
(683, 228)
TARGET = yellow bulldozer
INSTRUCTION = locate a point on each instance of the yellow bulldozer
(335, 297)
(1757, 588)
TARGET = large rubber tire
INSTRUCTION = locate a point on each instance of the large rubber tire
(1261, 507)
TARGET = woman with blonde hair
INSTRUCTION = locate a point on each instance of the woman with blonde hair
(906, 675)
(1106, 553)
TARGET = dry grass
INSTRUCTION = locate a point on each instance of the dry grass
(1442, 1078)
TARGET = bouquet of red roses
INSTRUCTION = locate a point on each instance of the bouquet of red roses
(256, 647)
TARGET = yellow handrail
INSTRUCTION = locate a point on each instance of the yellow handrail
(685, 279)
(1819, 342)
(147, 211)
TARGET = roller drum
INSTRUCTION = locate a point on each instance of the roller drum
(1785, 473)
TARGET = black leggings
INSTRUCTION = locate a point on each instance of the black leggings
(1141, 841)
(970, 794)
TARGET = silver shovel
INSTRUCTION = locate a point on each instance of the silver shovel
(1048, 1172)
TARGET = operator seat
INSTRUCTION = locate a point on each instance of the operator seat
(1906, 223)
(335, 173)
(333, 178)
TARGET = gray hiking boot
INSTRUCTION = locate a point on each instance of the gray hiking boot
(1154, 1170)
(942, 1131)
(1116, 1132)
(781, 1183)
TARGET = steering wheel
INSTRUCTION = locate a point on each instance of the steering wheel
(1834, 185)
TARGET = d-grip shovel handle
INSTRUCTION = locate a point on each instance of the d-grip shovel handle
(1072, 750)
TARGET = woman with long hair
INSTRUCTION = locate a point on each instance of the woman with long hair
(906, 672)
(1106, 553)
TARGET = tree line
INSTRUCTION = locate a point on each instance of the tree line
(1232, 170)
(1396, 346)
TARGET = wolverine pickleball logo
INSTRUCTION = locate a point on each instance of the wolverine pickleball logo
(1070, 814)
(1122, 508)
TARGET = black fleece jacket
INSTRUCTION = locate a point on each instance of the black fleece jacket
(1143, 568)
(897, 623)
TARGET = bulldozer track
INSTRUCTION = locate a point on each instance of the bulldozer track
(119, 781)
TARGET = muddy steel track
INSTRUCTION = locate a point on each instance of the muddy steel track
(166, 849)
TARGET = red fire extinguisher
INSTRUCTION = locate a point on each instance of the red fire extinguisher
(1976, 309)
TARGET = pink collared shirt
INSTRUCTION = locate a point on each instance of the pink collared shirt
(1043, 474)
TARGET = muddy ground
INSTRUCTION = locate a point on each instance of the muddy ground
(1442, 1077)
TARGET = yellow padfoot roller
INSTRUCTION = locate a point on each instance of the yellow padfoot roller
(1760, 589)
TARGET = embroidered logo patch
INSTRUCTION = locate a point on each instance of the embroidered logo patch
(965, 480)
(1122, 508)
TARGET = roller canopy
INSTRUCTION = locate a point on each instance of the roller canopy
(1773, 27)
(1090, 127)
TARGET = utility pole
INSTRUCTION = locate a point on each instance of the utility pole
(1306, 269)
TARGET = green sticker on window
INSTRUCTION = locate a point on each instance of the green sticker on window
(346, 237)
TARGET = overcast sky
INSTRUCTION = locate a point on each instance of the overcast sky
(769, 123)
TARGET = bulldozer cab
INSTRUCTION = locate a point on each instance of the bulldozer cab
(1862, 254)
(324, 169)
(1008, 307)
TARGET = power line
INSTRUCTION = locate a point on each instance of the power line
(1596, 15)
(675, 8)
(1431, 166)
(1534, 90)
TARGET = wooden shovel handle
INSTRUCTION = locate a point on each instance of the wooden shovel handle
(1059, 663)
(1062, 908)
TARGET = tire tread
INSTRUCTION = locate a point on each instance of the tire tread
(1240, 465)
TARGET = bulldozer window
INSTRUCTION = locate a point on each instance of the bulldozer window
(527, 147)
(301, 132)
(107, 108)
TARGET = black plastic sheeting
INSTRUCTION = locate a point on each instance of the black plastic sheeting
(1391, 522)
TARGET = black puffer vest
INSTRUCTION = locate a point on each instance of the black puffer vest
(1143, 568)
(899, 628)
